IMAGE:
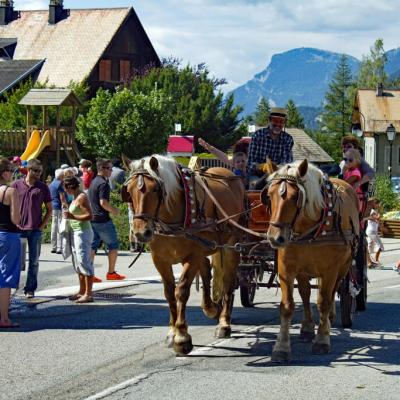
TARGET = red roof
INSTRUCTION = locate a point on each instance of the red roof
(180, 144)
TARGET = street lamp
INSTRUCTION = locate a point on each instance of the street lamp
(391, 134)
(356, 129)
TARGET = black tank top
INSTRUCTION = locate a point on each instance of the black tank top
(6, 224)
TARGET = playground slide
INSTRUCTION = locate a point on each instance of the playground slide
(45, 141)
(32, 145)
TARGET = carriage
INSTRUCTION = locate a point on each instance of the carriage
(258, 263)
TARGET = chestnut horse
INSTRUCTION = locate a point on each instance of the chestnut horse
(314, 224)
(156, 189)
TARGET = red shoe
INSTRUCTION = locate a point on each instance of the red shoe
(96, 279)
(114, 276)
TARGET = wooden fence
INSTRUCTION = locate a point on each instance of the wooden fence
(12, 141)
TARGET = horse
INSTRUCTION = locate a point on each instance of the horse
(179, 215)
(314, 225)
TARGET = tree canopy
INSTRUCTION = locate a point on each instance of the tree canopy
(261, 114)
(294, 118)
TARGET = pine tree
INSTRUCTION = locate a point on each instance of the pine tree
(372, 69)
(262, 112)
(339, 101)
(294, 118)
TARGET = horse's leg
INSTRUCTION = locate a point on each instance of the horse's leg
(322, 342)
(230, 261)
(281, 351)
(210, 309)
(307, 332)
(168, 279)
(182, 340)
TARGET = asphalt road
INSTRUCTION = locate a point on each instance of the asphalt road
(114, 348)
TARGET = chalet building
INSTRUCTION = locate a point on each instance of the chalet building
(374, 113)
(58, 46)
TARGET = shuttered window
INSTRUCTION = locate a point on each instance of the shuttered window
(124, 70)
(105, 70)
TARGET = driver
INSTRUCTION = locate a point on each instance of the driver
(271, 143)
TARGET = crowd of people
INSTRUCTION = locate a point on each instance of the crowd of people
(78, 202)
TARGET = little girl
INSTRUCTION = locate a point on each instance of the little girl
(352, 172)
(372, 233)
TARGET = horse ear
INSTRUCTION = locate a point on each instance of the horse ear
(154, 164)
(126, 161)
(303, 167)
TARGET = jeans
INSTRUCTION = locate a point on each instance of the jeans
(56, 217)
(34, 238)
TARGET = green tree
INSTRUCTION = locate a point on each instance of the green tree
(294, 118)
(372, 69)
(261, 114)
(125, 122)
(196, 101)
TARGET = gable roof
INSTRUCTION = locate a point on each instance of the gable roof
(377, 111)
(180, 144)
(13, 72)
(50, 97)
(72, 46)
(305, 147)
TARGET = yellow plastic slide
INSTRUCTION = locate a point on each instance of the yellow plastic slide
(43, 143)
(32, 145)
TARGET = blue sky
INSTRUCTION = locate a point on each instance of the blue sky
(236, 38)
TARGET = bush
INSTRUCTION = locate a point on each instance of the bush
(383, 192)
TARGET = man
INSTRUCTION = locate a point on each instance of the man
(117, 174)
(56, 190)
(32, 195)
(271, 142)
(103, 227)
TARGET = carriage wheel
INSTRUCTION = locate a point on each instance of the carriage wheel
(347, 303)
(248, 290)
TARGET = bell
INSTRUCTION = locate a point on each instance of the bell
(326, 222)
(323, 233)
(187, 178)
(329, 213)
(192, 202)
(193, 220)
(330, 204)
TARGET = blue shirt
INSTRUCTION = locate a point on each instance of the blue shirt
(262, 146)
(56, 188)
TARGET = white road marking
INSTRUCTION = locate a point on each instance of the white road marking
(112, 389)
(392, 287)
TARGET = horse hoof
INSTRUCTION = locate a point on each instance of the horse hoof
(280, 356)
(223, 332)
(321, 348)
(306, 337)
(212, 312)
(182, 349)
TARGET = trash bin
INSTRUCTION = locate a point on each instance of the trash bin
(24, 243)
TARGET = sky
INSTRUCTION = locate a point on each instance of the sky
(237, 38)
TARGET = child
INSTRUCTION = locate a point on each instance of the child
(352, 172)
(372, 234)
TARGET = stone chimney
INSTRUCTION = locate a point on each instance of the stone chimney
(56, 11)
(379, 90)
(6, 11)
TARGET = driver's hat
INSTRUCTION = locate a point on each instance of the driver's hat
(278, 112)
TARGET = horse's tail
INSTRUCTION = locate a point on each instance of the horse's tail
(218, 276)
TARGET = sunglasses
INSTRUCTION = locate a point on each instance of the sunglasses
(106, 167)
(348, 159)
(36, 170)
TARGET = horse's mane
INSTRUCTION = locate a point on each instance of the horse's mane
(313, 201)
(167, 175)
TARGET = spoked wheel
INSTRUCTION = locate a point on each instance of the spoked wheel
(248, 290)
(347, 303)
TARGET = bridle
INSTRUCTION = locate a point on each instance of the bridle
(283, 180)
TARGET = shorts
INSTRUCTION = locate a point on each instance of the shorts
(373, 241)
(81, 242)
(105, 231)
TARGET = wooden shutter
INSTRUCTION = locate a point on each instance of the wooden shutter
(105, 70)
(124, 70)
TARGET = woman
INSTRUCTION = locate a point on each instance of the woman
(79, 215)
(10, 245)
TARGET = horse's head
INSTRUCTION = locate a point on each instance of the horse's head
(144, 190)
(285, 197)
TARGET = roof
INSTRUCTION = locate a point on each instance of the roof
(72, 47)
(180, 144)
(14, 71)
(377, 111)
(50, 97)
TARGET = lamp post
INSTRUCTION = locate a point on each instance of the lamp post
(391, 134)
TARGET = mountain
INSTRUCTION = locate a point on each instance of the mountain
(392, 66)
(302, 75)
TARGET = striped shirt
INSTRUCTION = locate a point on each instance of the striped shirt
(262, 146)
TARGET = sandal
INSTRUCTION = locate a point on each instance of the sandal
(85, 299)
(10, 325)
(75, 297)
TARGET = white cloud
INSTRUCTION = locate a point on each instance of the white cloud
(30, 4)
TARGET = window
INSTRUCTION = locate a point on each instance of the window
(124, 70)
(105, 70)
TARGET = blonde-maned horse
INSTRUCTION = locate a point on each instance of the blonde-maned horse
(297, 200)
(156, 189)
